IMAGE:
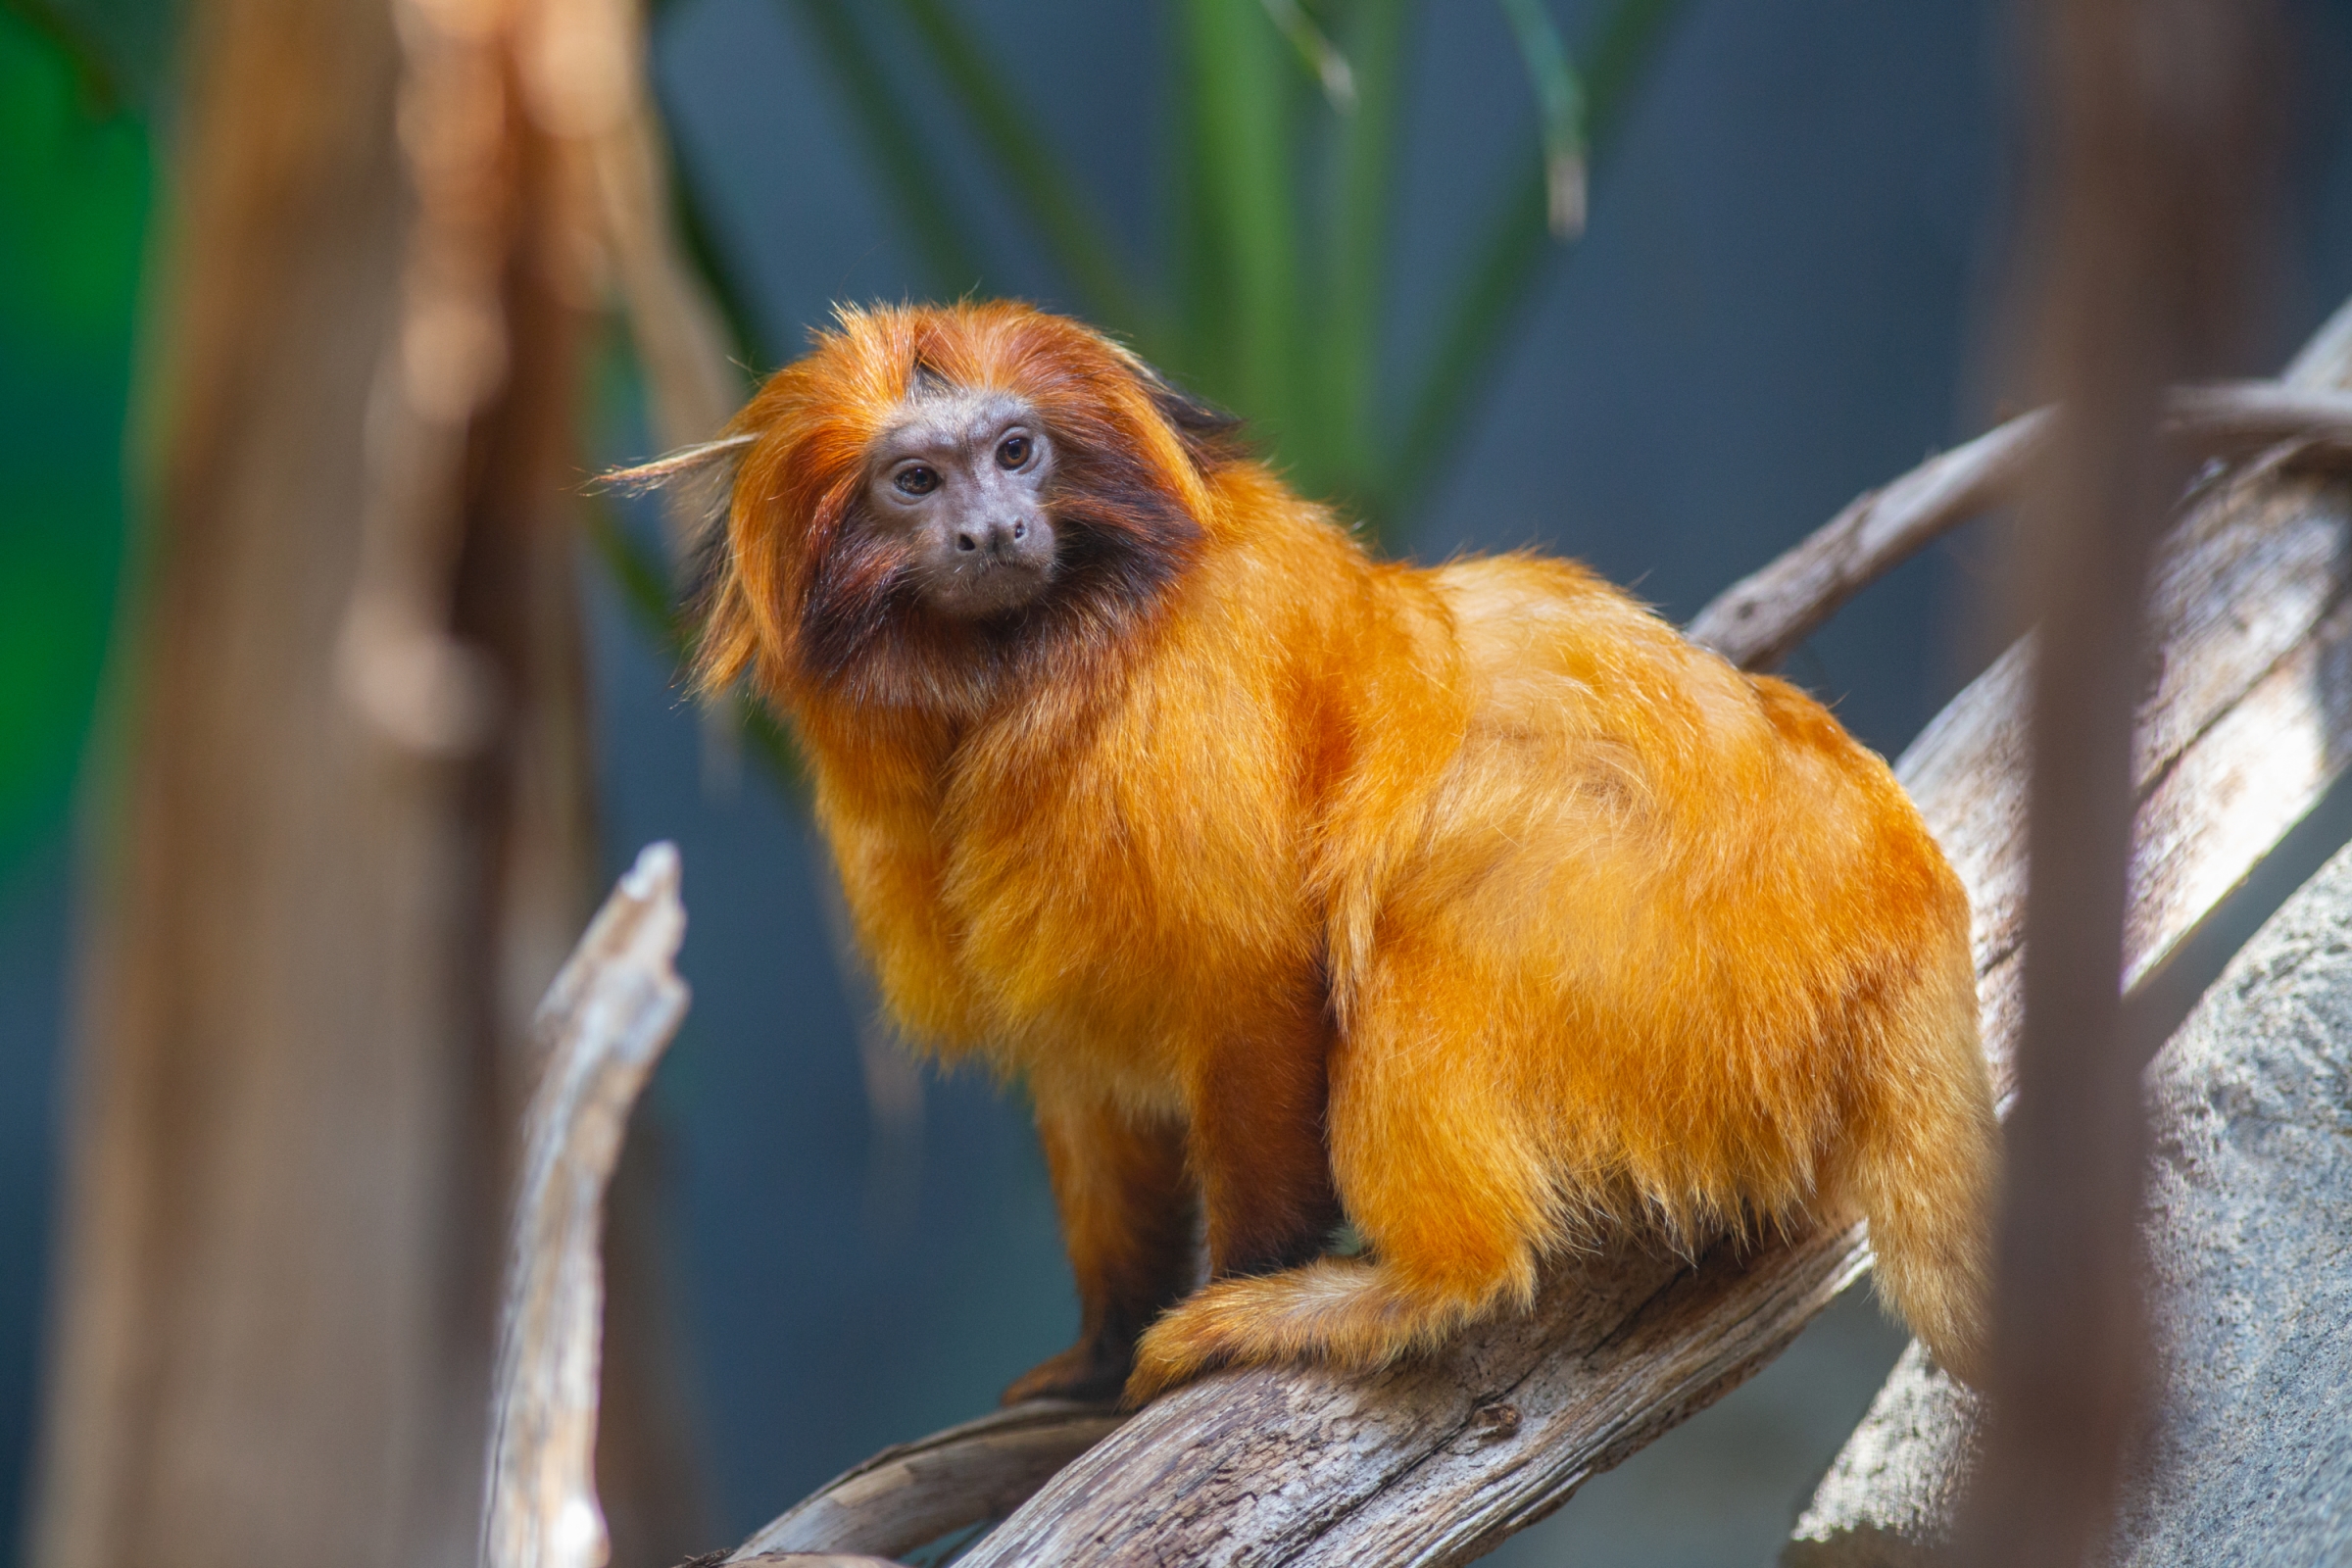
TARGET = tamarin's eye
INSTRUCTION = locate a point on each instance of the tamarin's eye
(1012, 452)
(917, 481)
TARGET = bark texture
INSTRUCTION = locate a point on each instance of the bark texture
(2247, 1226)
(267, 1327)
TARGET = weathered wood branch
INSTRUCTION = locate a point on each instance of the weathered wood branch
(605, 1022)
(1759, 620)
(351, 837)
(918, 1491)
(1435, 1462)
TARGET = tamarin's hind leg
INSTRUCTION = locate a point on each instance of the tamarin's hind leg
(1451, 1200)
(1127, 1213)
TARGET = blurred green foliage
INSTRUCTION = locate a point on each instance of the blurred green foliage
(1282, 209)
(74, 178)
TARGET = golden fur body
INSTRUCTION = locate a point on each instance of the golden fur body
(1471, 896)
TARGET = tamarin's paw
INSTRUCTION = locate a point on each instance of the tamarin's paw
(1088, 1372)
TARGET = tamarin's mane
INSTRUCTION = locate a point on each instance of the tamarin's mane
(799, 589)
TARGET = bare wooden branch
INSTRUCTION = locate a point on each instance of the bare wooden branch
(1438, 1461)
(917, 1492)
(2144, 156)
(605, 1022)
(1759, 620)
(301, 1050)
(2235, 419)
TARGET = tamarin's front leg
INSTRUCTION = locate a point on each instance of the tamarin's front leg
(1127, 1211)
(1259, 1152)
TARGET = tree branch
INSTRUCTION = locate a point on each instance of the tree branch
(918, 1491)
(1759, 620)
(603, 1023)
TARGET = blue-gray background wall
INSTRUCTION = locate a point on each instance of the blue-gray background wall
(1791, 270)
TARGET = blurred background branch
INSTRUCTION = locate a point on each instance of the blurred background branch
(355, 831)
(2152, 154)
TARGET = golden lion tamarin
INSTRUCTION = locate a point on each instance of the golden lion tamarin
(1469, 906)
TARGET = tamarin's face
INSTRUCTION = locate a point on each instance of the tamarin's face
(959, 480)
(945, 506)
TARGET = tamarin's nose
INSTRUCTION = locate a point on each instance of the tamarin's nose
(1003, 536)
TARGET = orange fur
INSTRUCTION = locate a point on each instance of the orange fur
(1471, 899)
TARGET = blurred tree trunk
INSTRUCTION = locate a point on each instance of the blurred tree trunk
(317, 934)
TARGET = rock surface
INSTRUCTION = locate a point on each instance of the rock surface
(2249, 1236)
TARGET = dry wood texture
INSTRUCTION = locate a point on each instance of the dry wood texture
(2143, 161)
(261, 1351)
(604, 1025)
(2246, 723)
(917, 1492)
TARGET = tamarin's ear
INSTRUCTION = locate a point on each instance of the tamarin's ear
(1211, 434)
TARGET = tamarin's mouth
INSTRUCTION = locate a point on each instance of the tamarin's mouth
(983, 585)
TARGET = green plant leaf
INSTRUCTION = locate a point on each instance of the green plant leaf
(1349, 361)
(75, 187)
(1560, 100)
(93, 74)
(1241, 317)
(1316, 52)
(1621, 56)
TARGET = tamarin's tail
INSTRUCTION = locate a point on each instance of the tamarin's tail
(1926, 1173)
(1352, 1314)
